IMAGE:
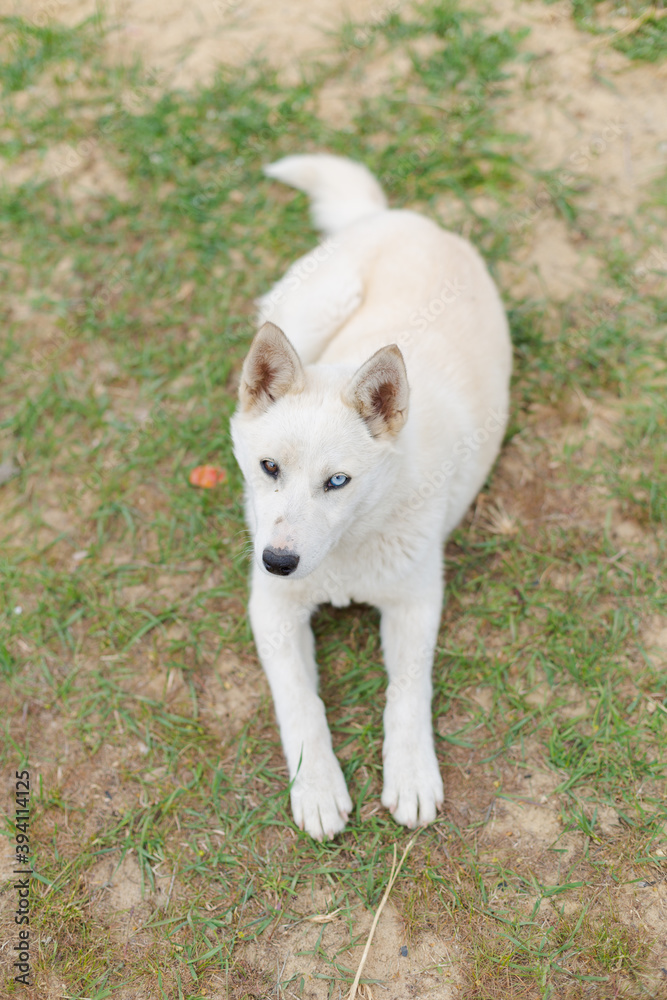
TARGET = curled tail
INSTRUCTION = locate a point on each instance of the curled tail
(341, 191)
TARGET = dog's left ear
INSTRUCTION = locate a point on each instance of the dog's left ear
(271, 369)
(379, 392)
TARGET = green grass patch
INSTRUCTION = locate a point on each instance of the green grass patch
(163, 840)
(644, 37)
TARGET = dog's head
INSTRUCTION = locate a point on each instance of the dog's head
(315, 446)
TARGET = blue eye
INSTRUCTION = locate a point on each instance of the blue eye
(335, 483)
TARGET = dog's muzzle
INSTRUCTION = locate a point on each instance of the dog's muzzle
(279, 561)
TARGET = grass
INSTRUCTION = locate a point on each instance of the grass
(167, 862)
(643, 37)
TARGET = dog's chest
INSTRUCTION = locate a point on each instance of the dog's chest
(364, 575)
(343, 601)
(334, 589)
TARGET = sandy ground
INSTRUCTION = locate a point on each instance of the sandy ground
(185, 43)
(587, 112)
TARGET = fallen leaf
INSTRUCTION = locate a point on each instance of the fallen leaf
(207, 476)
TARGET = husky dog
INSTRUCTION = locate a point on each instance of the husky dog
(364, 431)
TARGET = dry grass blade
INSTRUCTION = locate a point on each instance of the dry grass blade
(365, 992)
(497, 520)
(395, 870)
(324, 918)
(652, 14)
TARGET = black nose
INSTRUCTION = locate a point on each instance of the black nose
(279, 561)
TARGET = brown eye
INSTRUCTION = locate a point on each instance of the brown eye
(270, 467)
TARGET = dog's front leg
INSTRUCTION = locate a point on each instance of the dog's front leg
(320, 800)
(412, 784)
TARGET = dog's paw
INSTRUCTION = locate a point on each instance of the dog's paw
(320, 799)
(412, 784)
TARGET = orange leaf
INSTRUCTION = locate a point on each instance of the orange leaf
(207, 476)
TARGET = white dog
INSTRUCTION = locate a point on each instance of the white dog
(363, 438)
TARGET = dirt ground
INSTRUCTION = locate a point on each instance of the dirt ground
(588, 112)
(185, 43)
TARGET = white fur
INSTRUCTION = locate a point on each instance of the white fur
(391, 277)
(341, 191)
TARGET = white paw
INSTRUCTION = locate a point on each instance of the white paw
(412, 784)
(320, 800)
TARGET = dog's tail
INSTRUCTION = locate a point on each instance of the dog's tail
(341, 191)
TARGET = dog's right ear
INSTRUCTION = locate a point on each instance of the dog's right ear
(271, 369)
(379, 392)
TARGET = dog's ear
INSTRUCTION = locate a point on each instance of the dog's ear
(271, 369)
(379, 392)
